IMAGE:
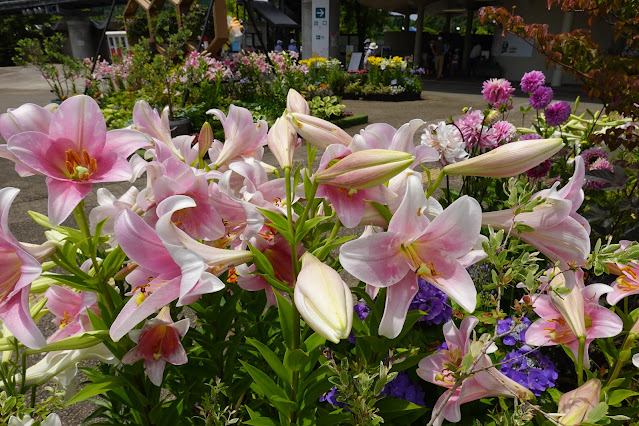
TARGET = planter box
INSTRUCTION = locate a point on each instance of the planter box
(353, 120)
(384, 97)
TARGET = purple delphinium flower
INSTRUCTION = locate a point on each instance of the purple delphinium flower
(362, 310)
(530, 137)
(541, 97)
(497, 91)
(557, 113)
(433, 301)
(530, 369)
(403, 387)
(518, 333)
(539, 171)
(532, 80)
(331, 398)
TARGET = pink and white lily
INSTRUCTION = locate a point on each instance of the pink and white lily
(244, 138)
(413, 247)
(18, 268)
(627, 283)
(567, 317)
(558, 231)
(70, 310)
(76, 152)
(158, 342)
(28, 117)
(574, 406)
(486, 383)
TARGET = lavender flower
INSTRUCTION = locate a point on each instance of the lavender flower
(532, 80)
(518, 333)
(557, 113)
(331, 398)
(539, 171)
(403, 387)
(530, 369)
(541, 97)
(433, 301)
(362, 310)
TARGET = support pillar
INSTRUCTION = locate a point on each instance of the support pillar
(419, 34)
(468, 38)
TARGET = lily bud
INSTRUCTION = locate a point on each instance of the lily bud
(507, 160)
(296, 103)
(574, 406)
(365, 169)
(318, 132)
(323, 299)
(570, 305)
(282, 141)
(205, 140)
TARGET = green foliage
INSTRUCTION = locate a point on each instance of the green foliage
(327, 107)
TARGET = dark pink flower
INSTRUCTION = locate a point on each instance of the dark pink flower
(532, 80)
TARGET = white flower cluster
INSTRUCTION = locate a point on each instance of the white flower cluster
(445, 139)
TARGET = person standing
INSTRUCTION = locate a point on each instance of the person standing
(278, 46)
(370, 51)
(439, 53)
(292, 47)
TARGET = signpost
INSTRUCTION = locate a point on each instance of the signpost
(320, 32)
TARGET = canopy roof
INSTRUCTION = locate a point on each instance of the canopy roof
(273, 15)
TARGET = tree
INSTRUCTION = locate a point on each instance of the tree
(612, 77)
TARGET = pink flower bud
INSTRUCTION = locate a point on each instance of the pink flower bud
(205, 140)
(282, 141)
(318, 132)
(507, 160)
(365, 169)
(296, 103)
(574, 406)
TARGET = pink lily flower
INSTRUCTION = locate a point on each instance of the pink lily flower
(109, 207)
(173, 177)
(488, 382)
(349, 204)
(567, 317)
(76, 152)
(19, 266)
(278, 252)
(148, 121)
(166, 271)
(70, 310)
(158, 342)
(627, 283)
(559, 232)
(413, 247)
(243, 136)
(249, 182)
(28, 117)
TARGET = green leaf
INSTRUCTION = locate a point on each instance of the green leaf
(308, 225)
(108, 383)
(313, 342)
(272, 360)
(73, 281)
(400, 409)
(619, 395)
(278, 222)
(285, 311)
(296, 360)
(261, 262)
(597, 413)
(267, 388)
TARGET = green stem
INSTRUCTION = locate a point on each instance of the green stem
(296, 271)
(83, 224)
(627, 344)
(309, 203)
(580, 361)
(436, 184)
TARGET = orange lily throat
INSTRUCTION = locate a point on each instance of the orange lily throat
(65, 320)
(425, 270)
(628, 282)
(80, 167)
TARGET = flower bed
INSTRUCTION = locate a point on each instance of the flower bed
(343, 292)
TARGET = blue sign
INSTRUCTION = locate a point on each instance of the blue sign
(320, 12)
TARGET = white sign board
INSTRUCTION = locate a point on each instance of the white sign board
(511, 45)
(320, 32)
(356, 58)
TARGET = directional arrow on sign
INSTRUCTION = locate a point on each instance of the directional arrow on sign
(320, 12)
